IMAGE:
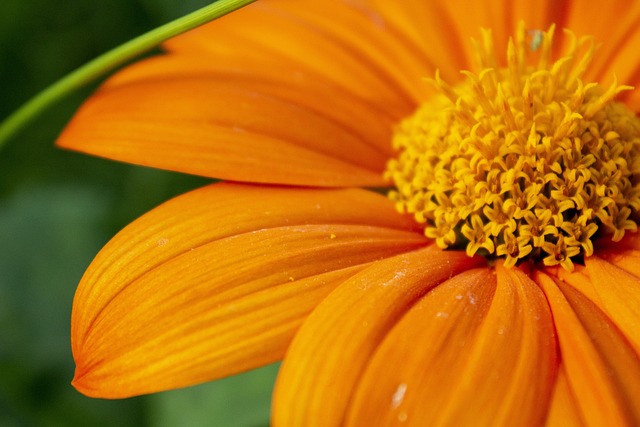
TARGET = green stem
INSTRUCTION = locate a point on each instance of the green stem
(109, 61)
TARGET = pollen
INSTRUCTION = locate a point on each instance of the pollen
(525, 162)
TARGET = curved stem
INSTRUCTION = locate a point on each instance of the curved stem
(109, 61)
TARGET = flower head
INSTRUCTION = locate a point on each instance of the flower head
(498, 284)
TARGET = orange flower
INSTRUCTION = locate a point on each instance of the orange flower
(521, 162)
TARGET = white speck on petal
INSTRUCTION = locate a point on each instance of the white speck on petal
(398, 396)
(398, 275)
(442, 314)
(472, 298)
(163, 241)
(459, 297)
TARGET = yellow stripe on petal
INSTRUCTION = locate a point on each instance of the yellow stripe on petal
(324, 362)
(218, 280)
(596, 358)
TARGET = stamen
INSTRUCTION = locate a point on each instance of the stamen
(525, 162)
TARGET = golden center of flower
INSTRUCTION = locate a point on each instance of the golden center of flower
(524, 162)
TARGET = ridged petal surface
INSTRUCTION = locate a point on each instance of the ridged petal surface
(218, 280)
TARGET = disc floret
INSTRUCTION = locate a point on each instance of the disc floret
(523, 162)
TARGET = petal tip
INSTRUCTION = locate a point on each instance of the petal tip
(87, 383)
(80, 383)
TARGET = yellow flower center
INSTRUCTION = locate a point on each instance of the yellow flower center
(525, 162)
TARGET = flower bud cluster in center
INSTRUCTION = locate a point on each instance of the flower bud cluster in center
(524, 162)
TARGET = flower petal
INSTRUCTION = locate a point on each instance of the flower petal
(217, 129)
(446, 32)
(564, 411)
(218, 280)
(615, 291)
(359, 29)
(472, 352)
(431, 29)
(416, 354)
(536, 15)
(624, 254)
(242, 108)
(602, 369)
(326, 358)
(306, 90)
(284, 31)
(617, 55)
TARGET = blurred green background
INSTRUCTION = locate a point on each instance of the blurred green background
(58, 208)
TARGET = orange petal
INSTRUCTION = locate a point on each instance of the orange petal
(360, 30)
(602, 369)
(472, 352)
(218, 280)
(624, 254)
(536, 15)
(323, 364)
(632, 98)
(432, 29)
(564, 410)
(321, 83)
(213, 128)
(444, 34)
(307, 90)
(616, 292)
(619, 42)
(284, 31)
